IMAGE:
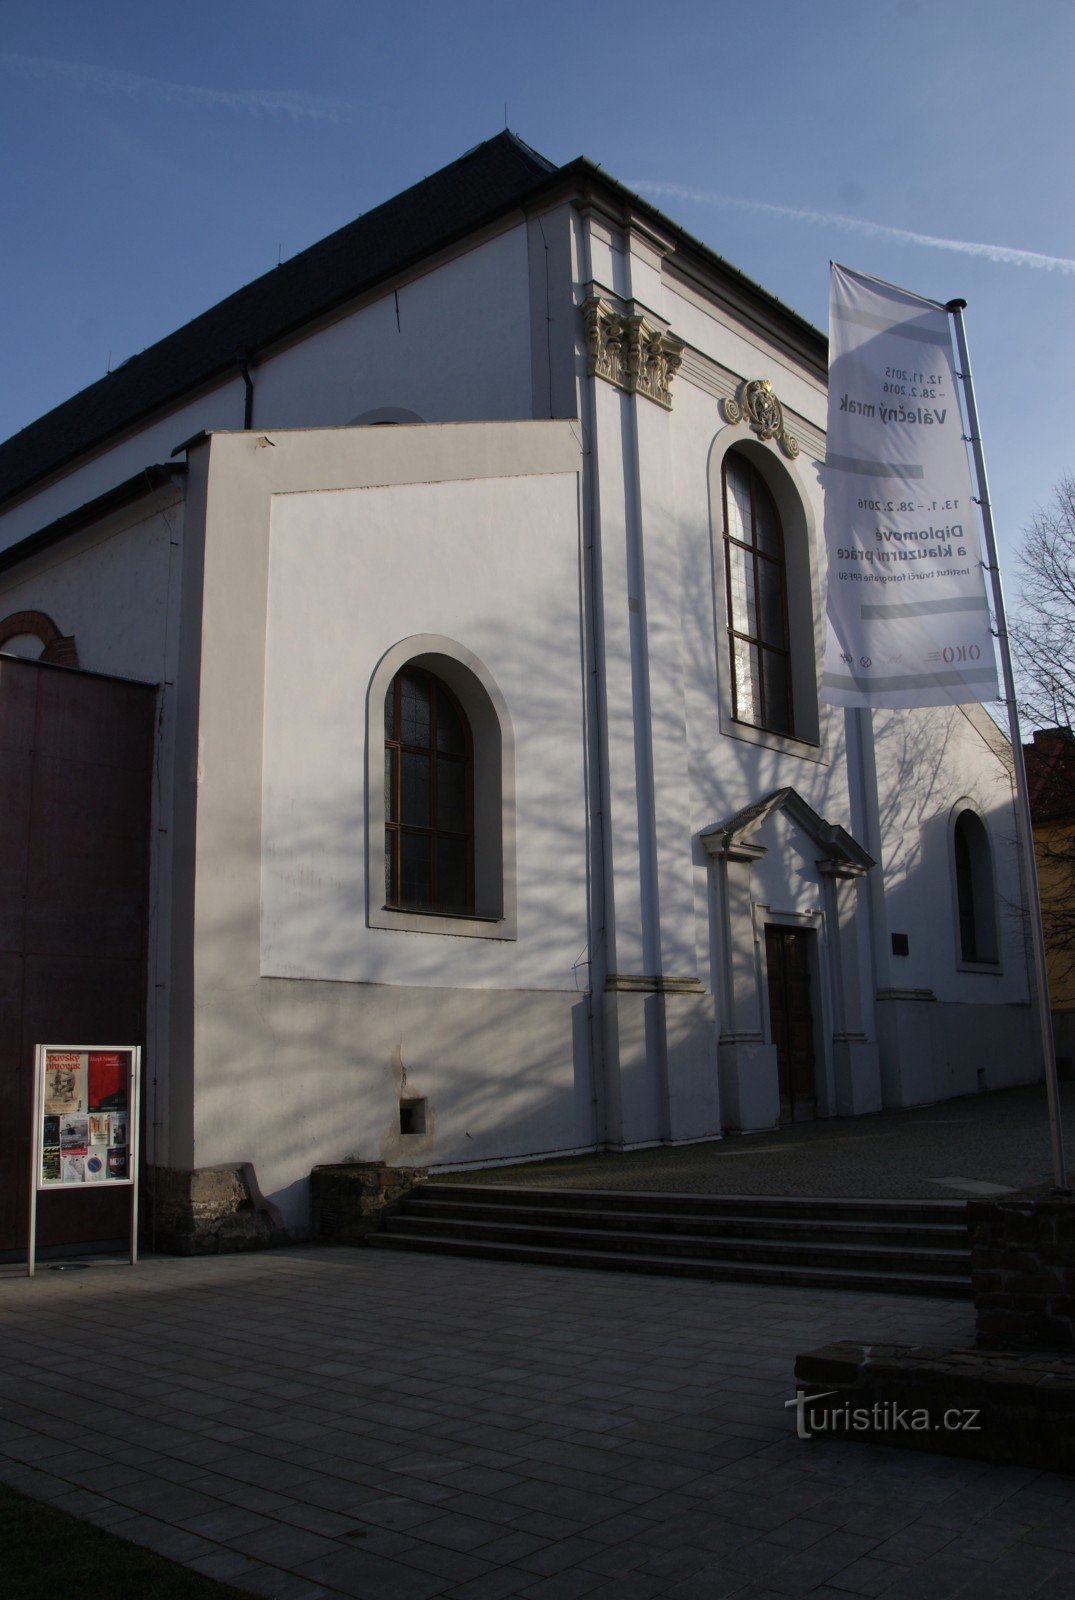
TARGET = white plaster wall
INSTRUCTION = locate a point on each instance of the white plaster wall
(322, 549)
(713, 331)
(461, 352)
(928, 761)
(111, 586)
(727, 773)
(82, 482)
(491, 563)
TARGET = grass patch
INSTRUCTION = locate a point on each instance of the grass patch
(49, 1553)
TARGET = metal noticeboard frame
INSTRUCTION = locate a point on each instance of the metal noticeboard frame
(128, 1059)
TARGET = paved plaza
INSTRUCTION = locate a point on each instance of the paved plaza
(957, 1150)
(312, 1422)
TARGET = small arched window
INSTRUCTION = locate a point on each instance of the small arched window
(35, 637)
(428, 797)
(758, 634)
(974, 891)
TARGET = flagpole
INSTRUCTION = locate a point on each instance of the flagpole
(955, 309)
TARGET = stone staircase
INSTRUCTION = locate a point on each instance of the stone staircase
(887, 1246)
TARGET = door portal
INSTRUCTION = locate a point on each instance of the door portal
(787, 956)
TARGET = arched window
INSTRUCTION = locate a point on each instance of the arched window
(758, 635)
(428, 797)
(35, 637)
(974, 891)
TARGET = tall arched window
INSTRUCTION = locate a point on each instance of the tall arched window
(428, 797)
(974, 891)
(757, 600)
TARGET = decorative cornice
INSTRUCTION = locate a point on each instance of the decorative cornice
(630, 350)
(756, 402)
(736, 837)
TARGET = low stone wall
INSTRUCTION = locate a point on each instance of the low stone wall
(211, 1211)
(347, 1199)
(1023, 1270)
(987, 1406)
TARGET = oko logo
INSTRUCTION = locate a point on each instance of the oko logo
(952, 654)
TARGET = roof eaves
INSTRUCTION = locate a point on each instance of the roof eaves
(146, 482)
(694, 250)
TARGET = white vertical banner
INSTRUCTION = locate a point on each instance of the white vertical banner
(908, 619)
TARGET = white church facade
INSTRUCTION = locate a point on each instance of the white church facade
(475, 558)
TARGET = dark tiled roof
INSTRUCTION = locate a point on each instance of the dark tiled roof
(482, 185)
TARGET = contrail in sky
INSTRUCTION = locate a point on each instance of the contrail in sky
(872, 230)
(292, 103)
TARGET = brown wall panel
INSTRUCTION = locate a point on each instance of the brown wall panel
(74, 850)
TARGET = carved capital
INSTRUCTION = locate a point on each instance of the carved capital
(756, 402)
(630, 351)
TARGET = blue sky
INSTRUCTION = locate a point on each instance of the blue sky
(155, 157)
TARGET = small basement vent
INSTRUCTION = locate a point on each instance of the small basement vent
(412, 1116)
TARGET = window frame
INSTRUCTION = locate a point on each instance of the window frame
(777, 563)
(495, 913)
(396, 829)
(978, 875)
(788, 483)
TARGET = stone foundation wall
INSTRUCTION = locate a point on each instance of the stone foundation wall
(347, 1199)
(211, 1211)
(984, 1405)
(1023, 1270)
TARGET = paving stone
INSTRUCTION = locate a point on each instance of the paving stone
(570, 1585)
(867, 1576)
(557, 1557)
(668, 1479)
(496, 1585)
(354, 1572)
(280, 1544)
(459, 1532)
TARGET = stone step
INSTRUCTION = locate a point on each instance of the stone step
(753, 1206)
(908, 1247)
(732, 1271)
(817, 1251)
(950, 1233)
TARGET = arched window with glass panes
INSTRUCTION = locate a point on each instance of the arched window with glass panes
(975, 899)
(428, 797)
(758, 635)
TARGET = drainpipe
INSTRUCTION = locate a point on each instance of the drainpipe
(242, 356)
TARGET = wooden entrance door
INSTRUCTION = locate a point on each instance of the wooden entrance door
(787, 955)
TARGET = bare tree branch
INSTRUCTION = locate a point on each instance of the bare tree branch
(1043, 645)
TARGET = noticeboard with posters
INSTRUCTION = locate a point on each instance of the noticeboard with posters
(85, 1122)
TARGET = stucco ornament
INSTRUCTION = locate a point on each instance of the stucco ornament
(631, 351)
(758, 404)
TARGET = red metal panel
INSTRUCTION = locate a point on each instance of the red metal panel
(18, 694)
(74, 971)
(15, 1108)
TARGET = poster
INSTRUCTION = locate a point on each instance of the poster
(908, 618)
(95, 1166)
(74, 1130)
(108, 1071)
(83, 1121)
(65, 1081)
